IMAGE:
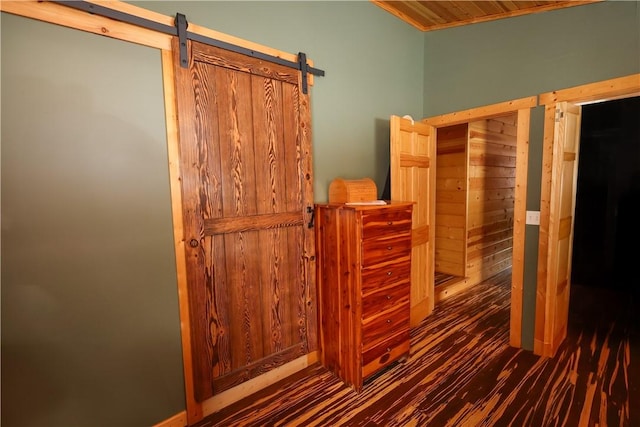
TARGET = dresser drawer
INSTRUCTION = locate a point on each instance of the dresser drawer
(386, 352)
(382, 275)
(363, 277)
(381, 325)
(386, 222)
(385, 299)
(376, 251)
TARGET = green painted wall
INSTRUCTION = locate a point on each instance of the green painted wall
(90, 323)
(497, 61)
(512, 58)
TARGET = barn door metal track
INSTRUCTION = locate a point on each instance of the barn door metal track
(180, 30)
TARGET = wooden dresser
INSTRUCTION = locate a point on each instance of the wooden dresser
(364, 278)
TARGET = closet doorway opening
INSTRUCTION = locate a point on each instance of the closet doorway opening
(475, 200)
(413, 177)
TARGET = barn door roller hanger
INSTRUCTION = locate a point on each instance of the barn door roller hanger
(180, 30)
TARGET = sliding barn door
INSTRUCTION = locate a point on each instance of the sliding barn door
(245, 170)
(413, 178)
(553, 311)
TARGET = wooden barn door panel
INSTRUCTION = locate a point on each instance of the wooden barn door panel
(564, 173)
(246, 184)
(413, 169)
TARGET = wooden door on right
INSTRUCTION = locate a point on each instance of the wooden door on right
(552, 309)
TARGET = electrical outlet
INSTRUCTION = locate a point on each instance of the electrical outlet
(533, 218)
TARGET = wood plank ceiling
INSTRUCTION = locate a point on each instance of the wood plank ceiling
(435, 15)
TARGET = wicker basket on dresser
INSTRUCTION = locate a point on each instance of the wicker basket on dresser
(364, 278)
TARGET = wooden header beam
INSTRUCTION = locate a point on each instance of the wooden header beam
(607, 90)
(483, 112)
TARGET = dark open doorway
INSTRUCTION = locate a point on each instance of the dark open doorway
(607, 232)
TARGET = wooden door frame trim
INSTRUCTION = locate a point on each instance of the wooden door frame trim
(483, 112)
(194, 409)
(606, 90)
(522, 107)
(591, 93)
(59, 14)
(55, 13)
(69, 17)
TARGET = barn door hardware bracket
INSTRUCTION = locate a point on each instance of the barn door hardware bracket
(311, 211)
(301, 63)
(181, 27)
(180, 30)
(303, 66)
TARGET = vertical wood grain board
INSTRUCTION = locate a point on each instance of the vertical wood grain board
(451, 200)
(245, 193)
(491, 178)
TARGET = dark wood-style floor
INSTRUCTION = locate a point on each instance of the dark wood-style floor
(462, 372)
(442, 278)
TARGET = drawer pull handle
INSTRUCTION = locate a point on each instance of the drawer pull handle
(389, 273)
(390, 223)
(388, 296)
(388, 320)
(388, 349)
(389, 248)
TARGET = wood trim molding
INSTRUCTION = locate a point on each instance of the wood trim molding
(171, 119)
(539, 345)
(233, 395)
(607, 90)
(178, 420)
(58, 14)
(483, 112)
(55, 13)
(519, 221)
